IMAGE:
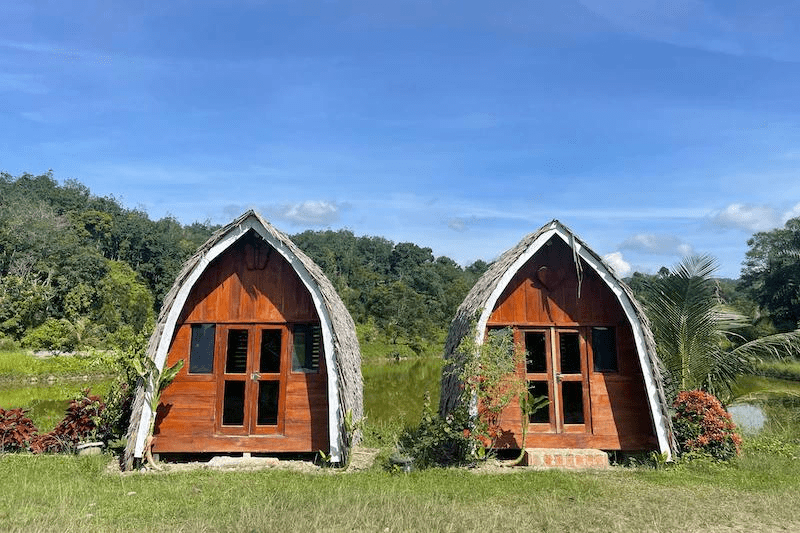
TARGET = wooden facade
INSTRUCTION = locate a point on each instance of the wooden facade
(271, 360)
(245, 304)
(586, 348)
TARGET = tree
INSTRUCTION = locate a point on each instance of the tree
(771, 273)
(692, 331)
(125, 300)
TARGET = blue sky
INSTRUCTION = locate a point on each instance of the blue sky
(651, 128)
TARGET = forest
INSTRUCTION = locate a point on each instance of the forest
(78, 271)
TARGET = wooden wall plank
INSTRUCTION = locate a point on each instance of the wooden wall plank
(619, 411)
(230, 293)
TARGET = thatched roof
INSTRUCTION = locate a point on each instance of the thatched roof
(483, 297)
(342, 353)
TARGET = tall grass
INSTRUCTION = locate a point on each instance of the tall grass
(60, 493)
(18, 364)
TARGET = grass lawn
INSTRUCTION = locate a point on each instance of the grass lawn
(67, 493)
(18, 365)
(757, 492)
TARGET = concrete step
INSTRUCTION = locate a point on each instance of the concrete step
(565, 458)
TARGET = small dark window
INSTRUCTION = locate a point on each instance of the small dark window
(201, 353)
(538, 389)
(570, 346)
(270, 351)
(307, 341)
(535, 353)
(268, 392)
(236, 361)
(572, 397)
(233, 404)
(604, 346)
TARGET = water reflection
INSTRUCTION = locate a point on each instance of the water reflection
(750, 418)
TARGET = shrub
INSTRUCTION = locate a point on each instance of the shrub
(16, 430)
(702, 426)
(47, 443)
(82, 420)
(119, 400)
(55, 334)
(490, 379)
(438, 441)
(7, 344)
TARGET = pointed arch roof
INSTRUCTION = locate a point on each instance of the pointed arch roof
(342, 353)
(482, 299)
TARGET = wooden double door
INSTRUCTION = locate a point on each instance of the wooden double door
(556, 367)
(251, 389)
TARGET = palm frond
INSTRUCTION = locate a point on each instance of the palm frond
(780, 346)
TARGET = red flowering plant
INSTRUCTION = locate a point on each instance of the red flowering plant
(702, 426)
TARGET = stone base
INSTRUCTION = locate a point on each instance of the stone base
(565, 458)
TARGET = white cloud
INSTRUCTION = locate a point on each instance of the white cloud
(310, 212)
(792, 213)
(748, 217)
(653, 243)
(618, 263)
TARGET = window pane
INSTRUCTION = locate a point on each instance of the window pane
(236, 361)
(535, 353)
(307, 341)
(201, 353)
(572, 395)
(570, 347)
(268, 403)
(537, 389)
(604, 346)
(270, 351)
(233, 404)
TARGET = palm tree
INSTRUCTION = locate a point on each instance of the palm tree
(692, 330)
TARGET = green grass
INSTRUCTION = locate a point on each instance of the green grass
(15, 365)
(754, 387)
(757, 492)
(789, 370)
(66, 493)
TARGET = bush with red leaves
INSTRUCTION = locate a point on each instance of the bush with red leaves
(702, 426)
(47, 443)
(81, 421)
(16, 430)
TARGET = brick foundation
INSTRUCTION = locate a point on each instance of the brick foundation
(570, 459)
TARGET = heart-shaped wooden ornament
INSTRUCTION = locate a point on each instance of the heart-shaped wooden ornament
(550, 279)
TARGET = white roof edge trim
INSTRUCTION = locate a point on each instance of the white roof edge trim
(234, 234)
(555, 228)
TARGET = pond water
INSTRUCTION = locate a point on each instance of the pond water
(394, 392)
(750, 418)
(47, 402)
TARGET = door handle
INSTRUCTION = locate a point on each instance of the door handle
(255, 376)
(558, 377)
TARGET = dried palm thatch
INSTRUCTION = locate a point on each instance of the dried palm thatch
(342, 353)
(481, 300)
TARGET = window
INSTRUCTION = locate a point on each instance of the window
(236, 362)
(604, 346)
(201, 352)
(535, 353)
(307, 340)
